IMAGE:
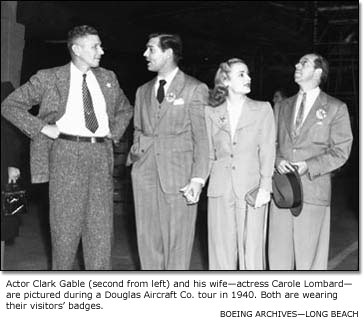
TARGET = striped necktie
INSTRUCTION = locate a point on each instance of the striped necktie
(300, 113)
(88, 108)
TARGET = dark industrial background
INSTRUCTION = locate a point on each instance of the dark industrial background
(269, 35)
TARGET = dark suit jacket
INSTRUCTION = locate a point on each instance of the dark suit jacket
(50, 89)
(175, 135)
(324, 142)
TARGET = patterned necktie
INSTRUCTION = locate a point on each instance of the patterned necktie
(160, 92)
(88, 108)
(300, 113)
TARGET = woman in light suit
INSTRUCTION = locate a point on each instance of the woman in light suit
(241, 135)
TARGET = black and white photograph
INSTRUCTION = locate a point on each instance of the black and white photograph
(193, 138)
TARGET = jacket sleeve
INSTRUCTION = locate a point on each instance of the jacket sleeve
(133, 153)
(199, 134)
(209, 138)
(16, 106)
(340, 142)
(267, 148)
(123, 112)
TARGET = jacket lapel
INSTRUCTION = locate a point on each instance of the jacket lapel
(311, 119)
(220, 117)
(150, 102)
(246, 116)
(63, 75)
(102, 79)
(288, 108)
(173, 92)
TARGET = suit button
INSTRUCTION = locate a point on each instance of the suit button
(157, 153)
(142, 150)
(233, 167)
(231, 156)
(234, 143)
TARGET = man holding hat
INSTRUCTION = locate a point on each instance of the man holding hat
(314, 138)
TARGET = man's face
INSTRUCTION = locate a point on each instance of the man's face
(88, 50)
(239, 79)
(155, 56)
(305, 70)
(277, 97)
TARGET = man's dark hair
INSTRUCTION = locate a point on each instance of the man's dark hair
(170, 41)
(321, 63)
(79, 32)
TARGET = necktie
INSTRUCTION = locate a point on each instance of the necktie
(160, 92)
(300, 113)
(88, 108)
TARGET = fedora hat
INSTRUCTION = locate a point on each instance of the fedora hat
(287, 191)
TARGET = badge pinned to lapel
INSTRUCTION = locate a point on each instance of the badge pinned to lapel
(170, 97)
(321, 114)
(108, 85)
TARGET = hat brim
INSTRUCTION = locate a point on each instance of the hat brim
(294, 180)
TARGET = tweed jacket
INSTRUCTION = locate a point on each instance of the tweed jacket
(245, 160)
(173, 133)
(49, 88)
(324, 142)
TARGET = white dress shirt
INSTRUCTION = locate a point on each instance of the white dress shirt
(311, 97)
(169, 78)
(73, 120)
(234, 115)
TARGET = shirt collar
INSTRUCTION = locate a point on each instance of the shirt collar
(311, 93)
(170, 76)
(78, 72)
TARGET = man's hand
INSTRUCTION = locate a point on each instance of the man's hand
(263, 197)
(13, 174)
(284, 167)
(192, 192)
(301, 167)
(51, 131)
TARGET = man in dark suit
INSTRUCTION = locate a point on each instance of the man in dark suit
(82, 110)
(169, 156)
(314, 135)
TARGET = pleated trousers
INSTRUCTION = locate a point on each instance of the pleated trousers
(302, 242)
(236, 234)
(165, 223)
(81, 203)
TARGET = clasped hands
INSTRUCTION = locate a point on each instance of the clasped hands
(192, 192)
(286, 166)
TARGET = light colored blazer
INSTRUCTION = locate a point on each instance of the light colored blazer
(247, 159)
(324, 142)
(173, 133)
(49, 88)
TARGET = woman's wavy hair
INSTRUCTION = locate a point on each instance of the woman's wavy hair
(219, 93)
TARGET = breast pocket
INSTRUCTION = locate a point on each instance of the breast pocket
(320, 132)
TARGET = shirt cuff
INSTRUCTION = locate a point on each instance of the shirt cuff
(199, 180)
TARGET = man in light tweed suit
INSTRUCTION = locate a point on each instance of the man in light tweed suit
(314, 134)
(82, 110)
(169, 156)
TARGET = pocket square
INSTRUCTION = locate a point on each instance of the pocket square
(178, 102)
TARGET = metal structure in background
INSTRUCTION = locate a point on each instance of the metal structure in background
(336, 35)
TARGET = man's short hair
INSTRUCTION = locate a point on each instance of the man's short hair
(321, 63)
(79, 32)
(170, 41)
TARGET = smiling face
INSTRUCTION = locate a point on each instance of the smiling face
(238, 80)
(87, 51)
(157, 59)
(306, 75)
